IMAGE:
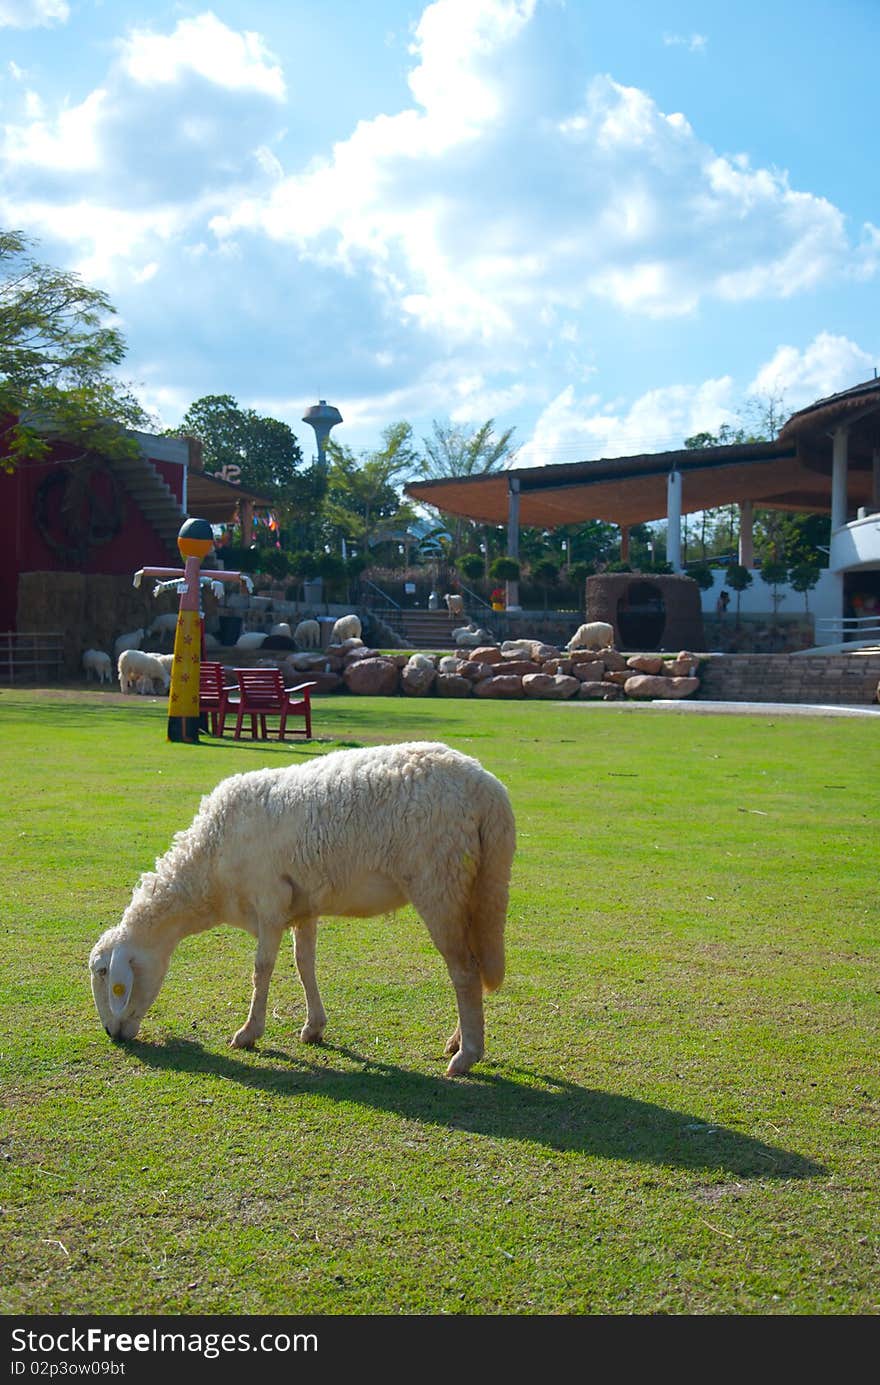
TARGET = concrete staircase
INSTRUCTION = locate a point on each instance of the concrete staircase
(424, 629)
(154, 498)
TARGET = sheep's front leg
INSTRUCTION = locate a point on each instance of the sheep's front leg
(268, 942)
(305, 939)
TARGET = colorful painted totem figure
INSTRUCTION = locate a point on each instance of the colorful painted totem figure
(195, 541)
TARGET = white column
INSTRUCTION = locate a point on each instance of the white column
(839, 466)
(746, 534)
(511, 593)
(673, 520)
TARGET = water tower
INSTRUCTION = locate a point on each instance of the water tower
(322, 417)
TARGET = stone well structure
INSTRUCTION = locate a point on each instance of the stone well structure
(648, 612)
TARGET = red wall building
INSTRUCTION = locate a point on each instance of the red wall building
(71, 513)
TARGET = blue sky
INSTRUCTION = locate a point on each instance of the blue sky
(605, 225)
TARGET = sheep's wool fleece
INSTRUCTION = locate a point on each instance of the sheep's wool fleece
(420, 814)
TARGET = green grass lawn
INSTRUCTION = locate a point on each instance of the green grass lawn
(678, 1109)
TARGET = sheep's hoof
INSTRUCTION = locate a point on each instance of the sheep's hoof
(243, 1038)
(453, 1043)
(311, 1033)
(460, 1064)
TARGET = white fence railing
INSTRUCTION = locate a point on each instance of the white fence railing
(846, 628)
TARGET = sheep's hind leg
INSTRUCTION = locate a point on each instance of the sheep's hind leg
(467, 1043)
(268, 942)
(305, 938)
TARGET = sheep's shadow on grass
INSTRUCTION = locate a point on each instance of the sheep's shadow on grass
(516, 1104)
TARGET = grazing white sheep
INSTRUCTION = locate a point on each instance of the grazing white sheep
(595, 635)
(130, 641)
(454, 604)
(354, 833)
(251, 639)
(470, 636)
(165, 626)
(307, 635)
(345, 628)
(138, 671)
(96, 662)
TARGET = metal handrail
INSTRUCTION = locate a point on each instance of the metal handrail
(365, 582)
(479, 599)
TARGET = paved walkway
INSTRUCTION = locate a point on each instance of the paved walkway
(686, 705)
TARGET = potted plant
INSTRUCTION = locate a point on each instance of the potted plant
(497, 598)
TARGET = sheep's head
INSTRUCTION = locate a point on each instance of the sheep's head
(125, 981)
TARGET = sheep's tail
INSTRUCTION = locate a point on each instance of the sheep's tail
(489, 892)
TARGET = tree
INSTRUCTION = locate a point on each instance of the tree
(546, 574)
(362, 490)
(775, 574)
(457, 451)
(453, 450)
(471, 565)
(57, 352)
(803, 578)
(702, 575)
(243, 446)
(739, 578)
(504, 570)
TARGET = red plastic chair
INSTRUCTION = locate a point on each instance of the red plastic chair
(262, 694)
(213, 695)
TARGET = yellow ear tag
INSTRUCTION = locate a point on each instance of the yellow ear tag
(119, 989)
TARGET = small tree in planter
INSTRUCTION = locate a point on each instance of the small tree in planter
(504, 570)
(546, 574)
(774, 574)
(803, 577)
(702, 575)
(470, 566)
(739, 579)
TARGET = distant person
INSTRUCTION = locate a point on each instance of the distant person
(722, 603)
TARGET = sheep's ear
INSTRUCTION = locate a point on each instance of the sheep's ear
(119, 980)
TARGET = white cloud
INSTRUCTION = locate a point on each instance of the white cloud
(694, 43)
(626, 205)
(207, 47)
(828, 364)
(579, 429)
(33, 14)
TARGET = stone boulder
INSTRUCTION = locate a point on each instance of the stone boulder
(452, 685)
(417, 679)
(475, 673)
(645, 663)
(612, 659)
(486, 654)
(588, 672)
(646, 685)
(503, 685)
(372, 677)
(599, 692)
(521, 667)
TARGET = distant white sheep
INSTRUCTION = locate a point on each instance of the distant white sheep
(165, 626)
(96, 662)
(345, 628)
(595, 635)
(454, 604)
(470, 636)
(130, 641)
(138, 671)
(345, 834)
(251, 639)
(307, 635)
